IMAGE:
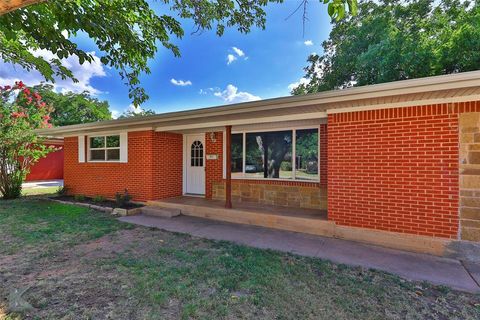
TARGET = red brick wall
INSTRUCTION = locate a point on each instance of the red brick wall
(168, 165)
(395, 169)
(213, 168)
(144, 176)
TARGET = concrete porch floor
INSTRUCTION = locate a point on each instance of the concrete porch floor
(245, 206)
(413, 266)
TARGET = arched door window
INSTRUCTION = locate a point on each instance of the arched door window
(196, 154)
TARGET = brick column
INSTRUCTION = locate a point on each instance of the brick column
(469, 127)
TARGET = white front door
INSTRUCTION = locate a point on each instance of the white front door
(195, 164)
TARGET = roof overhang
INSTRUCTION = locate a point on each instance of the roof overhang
(424, 91)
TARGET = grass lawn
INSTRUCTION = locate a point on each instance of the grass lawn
(39, 191)
(81, 264)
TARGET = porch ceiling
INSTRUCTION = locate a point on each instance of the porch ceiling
(248, 118)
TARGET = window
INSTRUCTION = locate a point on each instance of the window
(105, 148)
(306, 153)
(286, 154)
(237, 155)
(196, 154)
(269, 155)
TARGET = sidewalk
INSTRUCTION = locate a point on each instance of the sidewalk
(42, 184)
(413, 266)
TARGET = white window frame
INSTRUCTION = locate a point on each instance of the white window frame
(104, 136)
(294, 141)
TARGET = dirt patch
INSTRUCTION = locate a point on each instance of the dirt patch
(106, 246)
(71, 281)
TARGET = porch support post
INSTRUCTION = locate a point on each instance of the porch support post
(228, 171)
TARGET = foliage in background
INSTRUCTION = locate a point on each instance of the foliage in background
(137, 113)
(20, 114)
(73, 108)
(394, 40)
(128, 33)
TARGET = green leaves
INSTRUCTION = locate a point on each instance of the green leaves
(73, 108)
(127, 32)
(394, 40)
(337, 8)
(19, 145)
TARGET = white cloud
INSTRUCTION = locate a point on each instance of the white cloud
(9, 73)
(318, 74)
(293, 85)
(238, 51)
(308, 43)
(115, 113)
(181, 83)
(232, 95)
(132, 108)
(231, 58)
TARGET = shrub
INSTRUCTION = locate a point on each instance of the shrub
(62, 191)
(123, 199)
(286, 166)
(22, 111)
(79, 197)
(98, 198)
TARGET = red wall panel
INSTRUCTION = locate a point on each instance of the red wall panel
(48, 168)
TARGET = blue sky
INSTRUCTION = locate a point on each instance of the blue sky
(212, 70)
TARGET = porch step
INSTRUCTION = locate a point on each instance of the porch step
(157, 211)
(215, 210)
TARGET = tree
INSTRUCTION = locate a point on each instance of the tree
(127, 32)
(73, 108)
(19, 145)
(137, 113)
(394, 40)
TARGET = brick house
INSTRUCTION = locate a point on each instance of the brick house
(395, 164)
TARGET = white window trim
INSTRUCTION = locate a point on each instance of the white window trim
(294, 138)
(123, 148)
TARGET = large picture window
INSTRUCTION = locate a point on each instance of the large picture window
(306, 154)
(105, 148)
(237, 155)
(286, 154)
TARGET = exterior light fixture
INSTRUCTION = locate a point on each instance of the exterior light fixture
(213, 137)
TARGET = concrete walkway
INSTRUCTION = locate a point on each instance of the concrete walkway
(412, 266)
(42, 184)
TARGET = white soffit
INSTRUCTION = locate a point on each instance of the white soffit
(440, 89)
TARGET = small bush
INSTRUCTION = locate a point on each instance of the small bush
(98, 198)
(79, 197)
(286, 166)
(62, 191)
(123, 199)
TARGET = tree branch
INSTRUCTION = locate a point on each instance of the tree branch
(11, 5)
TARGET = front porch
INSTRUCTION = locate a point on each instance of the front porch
(311, 221)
